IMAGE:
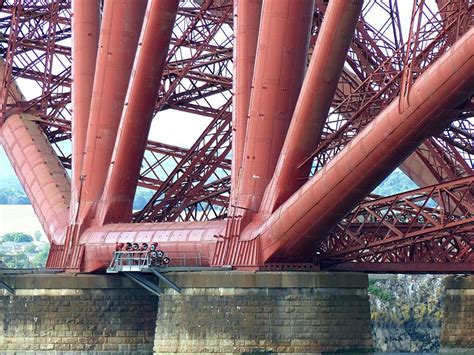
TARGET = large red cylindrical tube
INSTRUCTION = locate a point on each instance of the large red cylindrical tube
(85, 40)
(279, 70)
(314, 101)
(40, 173)
(246, 24)
(117, 200)
(295, 229)
(186, 243)
(120, 30)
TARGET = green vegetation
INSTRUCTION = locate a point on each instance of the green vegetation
(21, 253)
(397, 182)
(39, 260)
(17, 238)
(378, 292)
(12, 193)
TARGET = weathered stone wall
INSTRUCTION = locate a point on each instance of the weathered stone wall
(89, 314)
(458, 322)
(406, 312)
(265, 312)
(223, 312)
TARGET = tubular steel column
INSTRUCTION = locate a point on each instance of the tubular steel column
(294, 230)
(279, 70)
(117, 200)
(40, 173)
(120, 30)
(85, 40)
(186, 243)
(246, 24)
(314, 101)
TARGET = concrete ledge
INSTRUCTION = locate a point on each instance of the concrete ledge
(242, 279)
(65, 281)
(459, 282)
(202, 279)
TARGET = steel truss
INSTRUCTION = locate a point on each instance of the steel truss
(407, 228)
(194, 184)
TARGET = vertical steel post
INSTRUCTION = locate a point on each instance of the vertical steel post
(314, 101)
(85, 40)
(246, 25)
(117, 200)
(279, 70)
(120, 30)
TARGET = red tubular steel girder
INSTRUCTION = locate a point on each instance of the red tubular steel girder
(186, 243)
(121, 25)
(40, 172)
(279, 70)
(391, 228)
(314, 101)
(246, 24)
(301, 222)
(85, 36)
(117, 200)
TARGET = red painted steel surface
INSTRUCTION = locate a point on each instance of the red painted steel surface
(117, 199)
(309, 214)
(120, 30)
(314, 101)
(40, 172)
(406, 228)
(85, 37)
(246, 26)
(186, 243)
(368, 132)
(279, 70)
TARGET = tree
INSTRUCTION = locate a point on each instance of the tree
(12, 193)
(16, 261)
(31, 249)
(37, 234)
(39, 260)
(17, 238)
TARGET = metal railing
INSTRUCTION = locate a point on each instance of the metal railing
(145, 260)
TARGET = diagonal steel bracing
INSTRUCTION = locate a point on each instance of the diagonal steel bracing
(386, 60)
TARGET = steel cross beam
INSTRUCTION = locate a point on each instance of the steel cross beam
(357, 96)
(202, 71)
(406, 228)
(192, 172)
(381, 86)
(198, 79)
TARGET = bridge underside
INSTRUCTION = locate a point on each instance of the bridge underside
(310, 106)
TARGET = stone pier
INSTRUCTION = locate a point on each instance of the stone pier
(83, 314)
(265, 312)
(458, 322)
(217, 312)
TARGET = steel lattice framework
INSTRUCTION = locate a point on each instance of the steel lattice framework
(283, 110)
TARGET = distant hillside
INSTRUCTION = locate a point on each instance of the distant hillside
(12, 193)
(395, 183)
(6, 169)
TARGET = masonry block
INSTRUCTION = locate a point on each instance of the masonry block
(74, 314)
(265, 313)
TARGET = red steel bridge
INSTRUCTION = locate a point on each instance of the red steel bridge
(310, 105)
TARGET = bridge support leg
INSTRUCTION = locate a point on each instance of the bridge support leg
(457, 335)
(84, 314)
(264, 312)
